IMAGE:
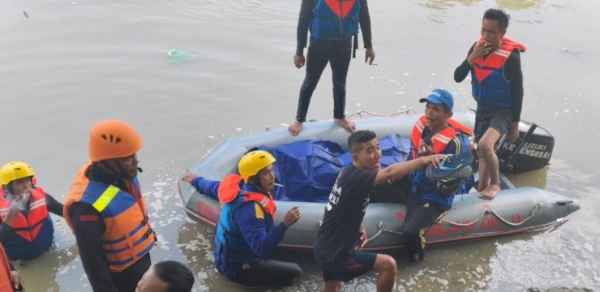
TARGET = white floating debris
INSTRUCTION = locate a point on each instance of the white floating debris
(399, 92)
(159, 184)
(358, 104)
(211, 137)
(405, 73)
(588, 247)
(432, 74)
(566, 110)
(74, 3)
(238, 129)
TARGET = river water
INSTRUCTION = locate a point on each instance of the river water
(70, 63)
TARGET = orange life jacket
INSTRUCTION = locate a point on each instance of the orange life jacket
(128, 236)
(229, 189)
(439, 140)
(5, 275)
(27, 227)
(495, 61)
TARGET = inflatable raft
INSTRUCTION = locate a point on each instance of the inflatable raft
(514, 210)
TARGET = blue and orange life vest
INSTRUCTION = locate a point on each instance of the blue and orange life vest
(335, 19)
(128, 236)
(229, 239)
(489, 86)
(423, 187)
(33, 228)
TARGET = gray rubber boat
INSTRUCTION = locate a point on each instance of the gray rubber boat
(514, 210)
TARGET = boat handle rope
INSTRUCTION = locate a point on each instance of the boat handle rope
(486, 211)
(489, 210)
(362, 113)
(381, 230)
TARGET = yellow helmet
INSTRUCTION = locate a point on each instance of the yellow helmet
(252, 162)
(15, 170)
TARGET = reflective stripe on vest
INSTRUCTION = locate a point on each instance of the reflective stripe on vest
(489, 85)
(105, 198)
(335, 19)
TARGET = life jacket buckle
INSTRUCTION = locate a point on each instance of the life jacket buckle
(150, 231)
(145, 220)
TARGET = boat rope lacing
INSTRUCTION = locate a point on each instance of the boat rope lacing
(381, 230)
(362, 114)
(489, 210)
(486, 211)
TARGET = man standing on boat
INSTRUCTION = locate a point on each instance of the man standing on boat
(246, 231)
(332, 25)
(107, 213)
(337, 247)
(497, 86)
(430, 200)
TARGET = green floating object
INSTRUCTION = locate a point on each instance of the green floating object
(179, 55)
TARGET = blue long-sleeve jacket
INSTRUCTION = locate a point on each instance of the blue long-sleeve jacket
(251, 222)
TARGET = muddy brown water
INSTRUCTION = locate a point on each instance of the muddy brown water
(72, 63)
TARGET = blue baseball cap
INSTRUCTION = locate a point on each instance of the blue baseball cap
(440, 96)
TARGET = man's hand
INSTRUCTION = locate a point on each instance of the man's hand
(189, 177)
(362, 236)
(478, 51)
(17, 280)
(292, 216)
(513, 132)
(369, 56)
(299, 61)
(424, 149)
(433, 159)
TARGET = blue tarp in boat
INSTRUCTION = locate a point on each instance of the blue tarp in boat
(307, 169)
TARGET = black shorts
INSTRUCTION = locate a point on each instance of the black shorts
(497, 118)
(357, 263)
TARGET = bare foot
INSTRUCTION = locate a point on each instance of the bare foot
(347, 124)
(482, 186)
(490, 192)
(295, 128)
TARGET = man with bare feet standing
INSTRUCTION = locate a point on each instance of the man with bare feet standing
(333, 24)
(497, 86)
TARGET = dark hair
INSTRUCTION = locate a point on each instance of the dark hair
(357, 138)
(496, 14)
(176, 275)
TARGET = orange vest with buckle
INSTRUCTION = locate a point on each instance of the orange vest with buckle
(27, 227)
(128, 236)
(439, 140)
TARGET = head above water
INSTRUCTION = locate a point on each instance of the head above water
(493, 27)
(17, 177)
(256, 168)
(113, 145)
(365, 150)
(438, 109)
(166, 276)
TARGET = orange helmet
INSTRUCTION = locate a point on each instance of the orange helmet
(110, 139)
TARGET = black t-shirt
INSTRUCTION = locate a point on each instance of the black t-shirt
(344, 213)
